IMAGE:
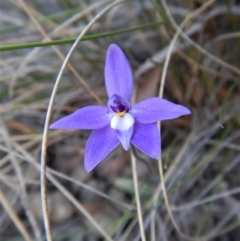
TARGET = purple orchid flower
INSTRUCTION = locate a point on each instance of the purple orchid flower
(120, 122)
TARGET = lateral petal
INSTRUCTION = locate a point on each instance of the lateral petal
(146, 137)
(91, 117)
(157, 109)
(118, 73)
(100, 143)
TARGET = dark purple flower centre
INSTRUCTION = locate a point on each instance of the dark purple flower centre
(118, 104)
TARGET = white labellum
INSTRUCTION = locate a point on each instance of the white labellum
(123, 127)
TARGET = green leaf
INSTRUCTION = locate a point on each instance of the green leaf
(71, 40)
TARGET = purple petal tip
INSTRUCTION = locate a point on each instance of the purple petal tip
(118, 73)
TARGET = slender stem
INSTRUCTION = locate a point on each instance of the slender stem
(48, 117)
(136, 188)
(165, 67)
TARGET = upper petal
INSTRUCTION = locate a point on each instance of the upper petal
(100, 143)
(118, 73)
(146, 137)
(157, 109)
(91, 117)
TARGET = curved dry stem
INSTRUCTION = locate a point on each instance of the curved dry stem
(173, 42)
(164, 73)
(48, 117)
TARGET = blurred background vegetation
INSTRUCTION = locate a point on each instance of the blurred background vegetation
(200, 153)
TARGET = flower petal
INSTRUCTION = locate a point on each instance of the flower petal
(125, 137)
(146, 137)
(157, 109)
(118, 73)
(123, 127)
(91, 117)
(100, 143)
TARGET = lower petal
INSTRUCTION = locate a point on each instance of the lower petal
(146, 137)
(124, 137)
(100, 143)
